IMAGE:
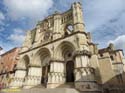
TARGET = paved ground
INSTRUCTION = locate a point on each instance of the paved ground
(38, 90)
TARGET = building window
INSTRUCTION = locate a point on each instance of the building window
(112, 58)
(68, 29)
(101, 55)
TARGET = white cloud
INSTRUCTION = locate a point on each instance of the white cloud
(2, 51)
(2, 18)
(32, 9)
(2, 29)
(119, 42)
(17, 37)
(99, 12)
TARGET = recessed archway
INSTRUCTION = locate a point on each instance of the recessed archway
(65, 52)
(70, 71)
(42, 58)
(25, 61)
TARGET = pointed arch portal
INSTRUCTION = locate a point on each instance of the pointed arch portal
(42, 58)
(65, 52)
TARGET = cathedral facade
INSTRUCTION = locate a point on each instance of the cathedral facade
(58, 51)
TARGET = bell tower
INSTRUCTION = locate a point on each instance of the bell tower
(78, 17)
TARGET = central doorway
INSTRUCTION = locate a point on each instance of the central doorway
(45, 71)
(70, 71)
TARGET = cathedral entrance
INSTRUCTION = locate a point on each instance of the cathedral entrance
(65, 52)
(70, 71)
(42, 59)
(45, 71)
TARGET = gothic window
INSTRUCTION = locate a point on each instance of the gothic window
(101, 55)
(69, 55)
(46, 25)
(62, 21)
(112, 58)
(68, 29)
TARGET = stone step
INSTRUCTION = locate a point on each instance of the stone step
(67, 85)
(39, 90)
(40, 86)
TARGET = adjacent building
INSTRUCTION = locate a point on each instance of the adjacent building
(8, 62)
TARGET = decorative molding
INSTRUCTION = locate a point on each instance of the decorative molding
(57, 61)
(34, 65)
(83, 52)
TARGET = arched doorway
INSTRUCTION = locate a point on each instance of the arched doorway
(45, 71)
(25, 63)
(42, 59)
(65, 52)
(70, 71)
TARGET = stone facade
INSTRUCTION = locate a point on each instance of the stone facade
(59, 51)
(8, 62)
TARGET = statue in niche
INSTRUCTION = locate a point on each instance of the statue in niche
(45, 33)
(46, 25)
(48, 35)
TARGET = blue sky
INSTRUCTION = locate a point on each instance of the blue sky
(105, 19)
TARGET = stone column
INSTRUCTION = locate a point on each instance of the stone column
(56, 75)
(34, 77)
(84, 73)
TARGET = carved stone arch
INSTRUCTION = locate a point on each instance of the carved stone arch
(42, 60)
(24, 62)
(64, 50)
(42, 57)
